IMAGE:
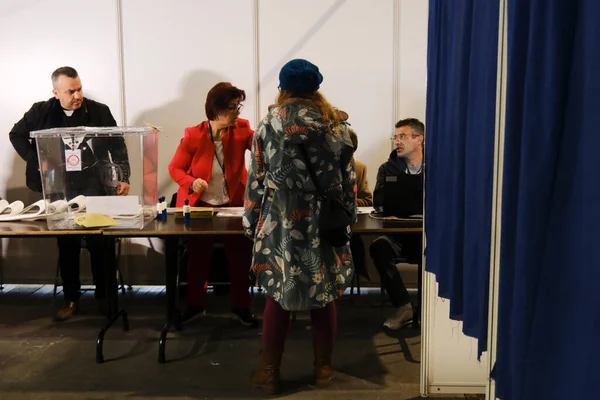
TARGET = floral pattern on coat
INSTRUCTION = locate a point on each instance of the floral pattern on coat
(281, 214)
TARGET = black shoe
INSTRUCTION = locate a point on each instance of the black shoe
(245, 316)
(192, 312)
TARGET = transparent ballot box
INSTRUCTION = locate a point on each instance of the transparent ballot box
(88, 171)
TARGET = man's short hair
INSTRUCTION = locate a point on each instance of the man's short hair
(353, 138)
(416, 125)
(69, 72)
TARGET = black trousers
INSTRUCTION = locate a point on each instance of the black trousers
(386, 252)
(69, 249)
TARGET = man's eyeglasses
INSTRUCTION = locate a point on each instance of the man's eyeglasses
(403, 136)
(236, 107)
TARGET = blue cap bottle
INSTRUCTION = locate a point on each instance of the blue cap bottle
(163, 208)
(186, 211)
(159, 206)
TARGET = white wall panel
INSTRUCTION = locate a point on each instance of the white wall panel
(412, 58)
(351, 42)
(449, 357)
(174, 52)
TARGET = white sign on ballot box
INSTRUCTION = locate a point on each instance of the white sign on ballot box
(113, 205)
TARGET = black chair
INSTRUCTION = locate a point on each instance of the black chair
(360, 269)
(355, 283)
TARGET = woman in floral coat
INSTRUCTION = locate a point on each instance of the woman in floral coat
(297, 270)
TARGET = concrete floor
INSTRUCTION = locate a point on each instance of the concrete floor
(210, 359)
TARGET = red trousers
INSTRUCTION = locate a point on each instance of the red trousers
(238, 251)
(276, 322)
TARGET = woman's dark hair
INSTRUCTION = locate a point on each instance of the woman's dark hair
(219, 97)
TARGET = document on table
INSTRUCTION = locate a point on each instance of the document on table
(416, 217)
(232, 212)
(239, 211)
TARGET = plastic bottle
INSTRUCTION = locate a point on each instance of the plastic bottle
(163, 208)
(186, 212)
(159, 206)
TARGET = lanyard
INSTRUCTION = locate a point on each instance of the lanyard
(212, 139)
(221, 163)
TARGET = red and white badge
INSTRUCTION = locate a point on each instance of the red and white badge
(73, 160)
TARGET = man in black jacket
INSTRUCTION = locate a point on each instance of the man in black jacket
(406, 158)
(69, 108)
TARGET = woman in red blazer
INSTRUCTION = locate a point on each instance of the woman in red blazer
(209, 167)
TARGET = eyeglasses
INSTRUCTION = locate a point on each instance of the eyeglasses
(402, 136)
(236, 107)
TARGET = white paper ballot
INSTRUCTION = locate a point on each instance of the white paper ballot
(364, 210)
(236, 212)
(113, 205)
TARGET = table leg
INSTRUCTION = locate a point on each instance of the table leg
(172, 289)
(112, 299)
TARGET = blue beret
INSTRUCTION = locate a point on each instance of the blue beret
(300, 76)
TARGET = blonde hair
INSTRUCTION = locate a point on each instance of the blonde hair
(330, 114)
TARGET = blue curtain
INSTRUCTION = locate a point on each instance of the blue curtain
(459, 153)
(549, 307)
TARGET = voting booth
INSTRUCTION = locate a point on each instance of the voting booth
(90, 175)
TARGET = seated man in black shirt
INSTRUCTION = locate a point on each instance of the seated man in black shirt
(406, 158)
(69, 108)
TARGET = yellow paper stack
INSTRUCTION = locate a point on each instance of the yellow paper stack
(196, 212)
(95, 221)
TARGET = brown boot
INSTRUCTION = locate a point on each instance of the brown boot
(267, 377)
(323, 370)
(67, 311)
